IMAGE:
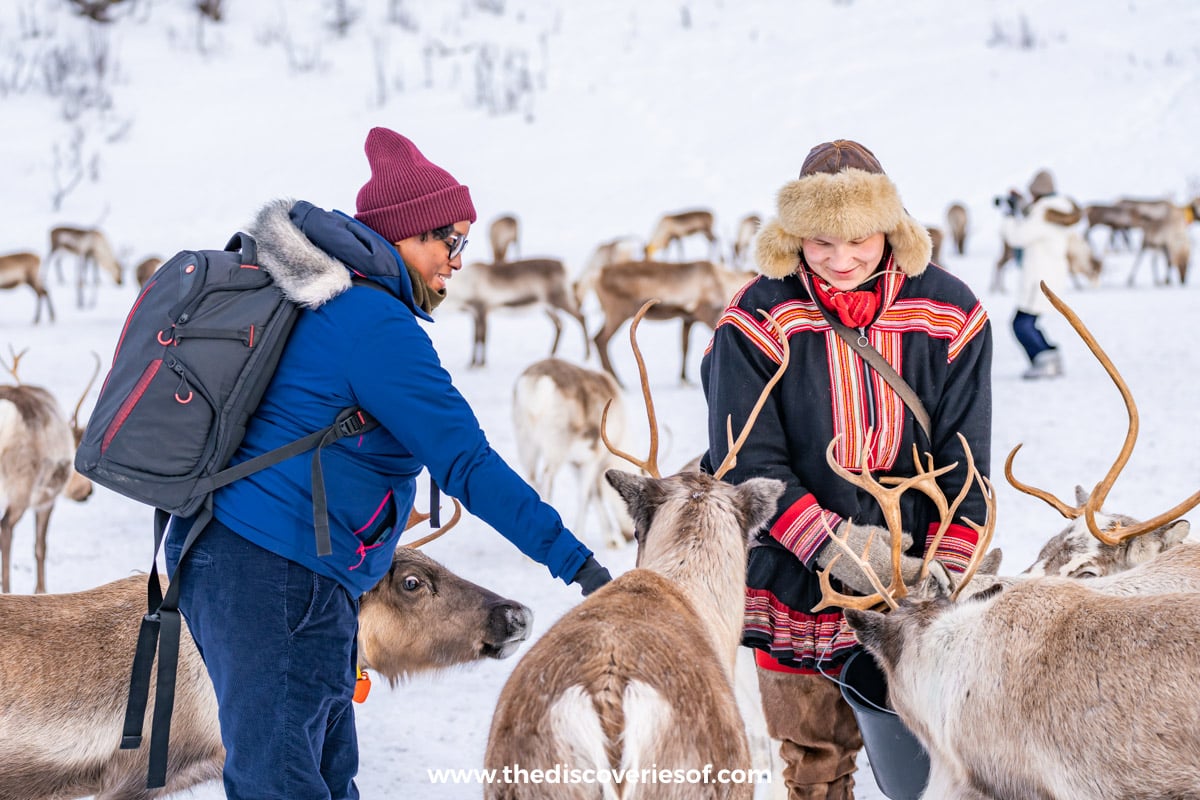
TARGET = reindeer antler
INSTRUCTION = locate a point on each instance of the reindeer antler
(1100, 493)
(730, 460)
(416, 518)
(16, 359)
(985, 531)
(832, 597)
(925, 481)
(889, 501)
(75, 429)
(1068, 511)
(651, 462)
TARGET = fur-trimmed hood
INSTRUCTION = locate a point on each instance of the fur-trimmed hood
(849, 204)
(312, 254)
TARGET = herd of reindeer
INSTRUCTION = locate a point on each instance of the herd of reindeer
(1071, 679)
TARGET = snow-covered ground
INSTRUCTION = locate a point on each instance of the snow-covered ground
(601, 118)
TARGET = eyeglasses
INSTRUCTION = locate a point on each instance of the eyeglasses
(455, 243)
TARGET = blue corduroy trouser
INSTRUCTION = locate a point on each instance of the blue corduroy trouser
(279, 642)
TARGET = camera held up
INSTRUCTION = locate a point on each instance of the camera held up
(1009, 203)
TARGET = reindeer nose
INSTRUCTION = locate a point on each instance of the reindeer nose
(514, 619)
(509, 624)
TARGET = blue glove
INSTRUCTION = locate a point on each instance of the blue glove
(591, 576)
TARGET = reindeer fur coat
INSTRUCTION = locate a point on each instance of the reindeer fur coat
(353, 345)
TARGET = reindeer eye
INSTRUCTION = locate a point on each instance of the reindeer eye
(1086, 572)
(412, 583)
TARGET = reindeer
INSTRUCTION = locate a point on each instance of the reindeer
(1164, 228)
(956, 223)
(1044, 666)
(541, 282)
(1045, 669)
(93, 251)
(1119, 219)
(556, 411)
(503, 235)
(743, 240)
(614, 251)
(935, 237)
(37, 455)
(629, 703)
(673, 228)
(146, 268)
(63, 727)
(22, 268)
(693, 291)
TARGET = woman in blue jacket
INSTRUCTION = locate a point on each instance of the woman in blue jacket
(275, 622)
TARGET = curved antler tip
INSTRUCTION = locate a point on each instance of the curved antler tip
(1012, 454)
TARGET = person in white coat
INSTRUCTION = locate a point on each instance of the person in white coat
(1042, 233)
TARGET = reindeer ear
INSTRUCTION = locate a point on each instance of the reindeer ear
(938, 583)
(869, 626)
(927, 588)
(990, 564)
(1081, 495)
(641, 496)
(1176, 533)
(1144, 548)
(757, 499)
(986, 594)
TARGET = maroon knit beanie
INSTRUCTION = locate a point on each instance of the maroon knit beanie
(408, 194)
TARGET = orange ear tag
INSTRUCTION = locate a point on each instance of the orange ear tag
(362, 686)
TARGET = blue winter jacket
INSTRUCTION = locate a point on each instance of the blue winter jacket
(357, 346)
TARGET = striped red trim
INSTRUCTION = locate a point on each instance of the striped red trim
(794, 634)
(801, 528)
(975, 322)
(957, 545)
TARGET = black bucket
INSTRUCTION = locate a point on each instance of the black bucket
(898, 760)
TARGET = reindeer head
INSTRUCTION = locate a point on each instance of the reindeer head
(753, 500)
(1095, 543)
(692, 505)
(1076, 553)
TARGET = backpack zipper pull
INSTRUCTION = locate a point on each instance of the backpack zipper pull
(183, 384)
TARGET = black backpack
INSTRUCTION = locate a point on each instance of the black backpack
(195, 356)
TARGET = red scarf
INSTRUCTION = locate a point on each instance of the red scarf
(855, 308)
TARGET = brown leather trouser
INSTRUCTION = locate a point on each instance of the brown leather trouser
(819, 736)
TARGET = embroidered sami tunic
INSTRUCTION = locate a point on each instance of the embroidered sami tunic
(934, 332)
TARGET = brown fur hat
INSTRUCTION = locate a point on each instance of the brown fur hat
(1042, 184)
(842, 191)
